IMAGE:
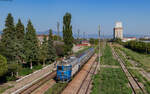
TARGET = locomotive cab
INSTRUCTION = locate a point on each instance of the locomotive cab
(64, 71)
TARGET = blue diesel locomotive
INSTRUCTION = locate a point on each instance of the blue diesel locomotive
(68, 67)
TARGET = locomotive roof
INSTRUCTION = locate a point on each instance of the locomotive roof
(68, 62)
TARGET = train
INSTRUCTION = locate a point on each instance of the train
(67, 68)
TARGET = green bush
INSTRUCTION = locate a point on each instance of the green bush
(3, 65)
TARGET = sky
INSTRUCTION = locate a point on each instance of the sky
(86, 14)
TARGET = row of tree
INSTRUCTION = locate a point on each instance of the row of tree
(93, 41)
(20, 45)
(138, 46)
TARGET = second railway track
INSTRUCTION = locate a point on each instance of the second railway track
(136, 87)
(37, 84)
(85, 86)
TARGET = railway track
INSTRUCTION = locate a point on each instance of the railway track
(37, 84)
(81, 82)
(85, 86)
(136, 87)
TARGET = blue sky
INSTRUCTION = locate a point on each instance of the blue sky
(86, 14)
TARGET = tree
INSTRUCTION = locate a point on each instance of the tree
(20, 31)
(3, 65)
(92, 41)
(44, 50)
(67, 33)
(51, 50)
(31, 44)
(20, 34)
(8, 41)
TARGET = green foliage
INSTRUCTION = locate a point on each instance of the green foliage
(117, 40)
(141, 79)
(93, 41)
(55, 37)
(31, 44)
(20, 31)
(51, 50)
(111, 81)
(8, 42)
(67, 33)
(138, 46)
(20, 34)
(127, 63)
(141, 59)
(3, 88)
(43, 50)
(3, 65)
(108, 58)
(26, 71)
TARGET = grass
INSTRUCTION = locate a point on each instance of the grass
(142, 59)
(110, 81)
(127, 63)
(26, 71)
(3, 88)
(141, 79)
(56, 89)
(107, 58)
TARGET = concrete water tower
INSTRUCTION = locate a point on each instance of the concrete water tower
(118, 30)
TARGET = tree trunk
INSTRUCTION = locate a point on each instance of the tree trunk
(12, 74)
(17, 74)
(31, 65)
(43, 62)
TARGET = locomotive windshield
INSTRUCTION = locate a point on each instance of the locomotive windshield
(59, 67)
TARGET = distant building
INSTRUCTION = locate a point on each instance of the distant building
(0, 37)
(118, 30)
(128, 39)
(84, 43)
(41, 37)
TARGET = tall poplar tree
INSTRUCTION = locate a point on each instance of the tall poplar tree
(51, 50)
(31, 44)
(67, 33)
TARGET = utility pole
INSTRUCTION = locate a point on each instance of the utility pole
(99, 41)
(78, 39)
(57, 30)
(83, 35)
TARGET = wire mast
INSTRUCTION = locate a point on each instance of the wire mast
(58, 30)
(99, 41)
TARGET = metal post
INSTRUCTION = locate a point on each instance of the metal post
(58, 31)
(99, 41)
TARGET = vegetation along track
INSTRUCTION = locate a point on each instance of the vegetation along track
(136, 87)
(38, 83)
